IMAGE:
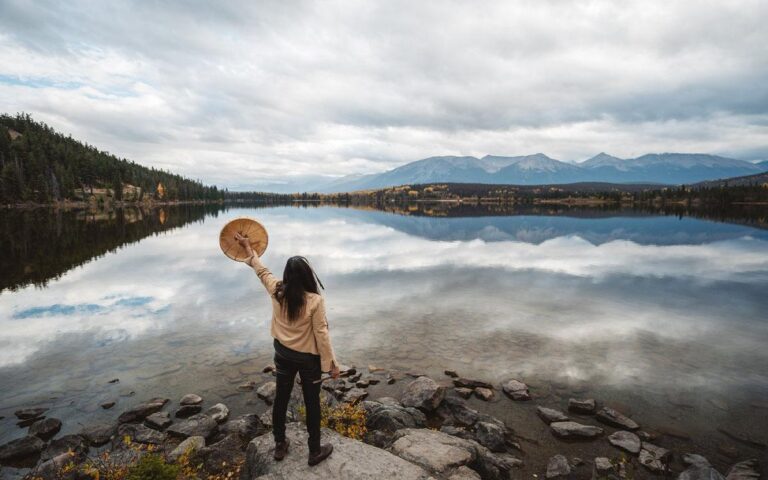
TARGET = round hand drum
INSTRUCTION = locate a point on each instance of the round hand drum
(247, 227)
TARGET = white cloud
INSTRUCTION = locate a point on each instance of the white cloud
(254, 91)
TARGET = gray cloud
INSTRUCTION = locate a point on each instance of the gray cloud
(252, 92)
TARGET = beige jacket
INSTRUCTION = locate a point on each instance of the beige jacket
(307, 334)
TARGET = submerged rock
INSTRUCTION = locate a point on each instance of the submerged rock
(575, 430)
(582, 405)
(351, 460)
(558, 467)
(516, 390)
(624, 440)
(614, 418)
(22, 452)
(45, 429)
(423, 393)
(550, 415)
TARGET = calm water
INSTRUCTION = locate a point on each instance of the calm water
(662, 313)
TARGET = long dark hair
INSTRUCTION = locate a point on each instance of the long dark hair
(298, 279)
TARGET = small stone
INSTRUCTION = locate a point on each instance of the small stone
(29, 413)
(114, 380)
(484, 393)
(108, 405)
(626, 441)
(186, 411)
(247, 386)
(516, 390)
(45, 429)
(423, 393)
(158, 420)
(575, 430)
(191, 399)
(269, 368)
(267, 392)
(653, 457)
(471, 383)
(586, 405)
(550, 415)
(558, 466)
(463, 392)
(603, 467)
(218, 412)
(451, 373)
(188, 446)
(616, 419)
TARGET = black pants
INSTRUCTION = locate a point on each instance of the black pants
(287, 363)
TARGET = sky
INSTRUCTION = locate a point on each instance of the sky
(247, 94)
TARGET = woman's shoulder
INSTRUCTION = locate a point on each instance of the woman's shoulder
(314, 299)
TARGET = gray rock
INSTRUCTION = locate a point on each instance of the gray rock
(351, 460)
(653, 457)
(98, 434)
(582, 405)
(217, 457)
(602, 468)
(76, 443)
(158, 420)
(614, 418)
(516, 390)
(746, 470)
(390, 418)
(218, 412)
(575, 430)
(558, 467)
(191, 399)
(45, 429)
(464, 473)
(483, 393)
(141, 411)
(463, 392)
(52, 467)
(423, 393)
(245, 426)
(470, 383)
(22, 452)
(186, 411)
(491, 436)
(139, 433)
(460, 432)
(197, 425)
(700, 472)
(550, 415)
(267, 392)
(188, 446)
(355, 395)
(437, 452)
(29, 413)
(624, 440)
(457, 410)
(266, 418)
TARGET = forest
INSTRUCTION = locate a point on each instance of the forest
(40, 165)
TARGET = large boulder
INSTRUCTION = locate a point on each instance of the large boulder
(197, 425)
(22, 452)
(390, 418)
(351, 460)
(423, 393)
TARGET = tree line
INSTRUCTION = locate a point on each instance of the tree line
(40, 165)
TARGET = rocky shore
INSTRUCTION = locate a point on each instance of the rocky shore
(420, 428)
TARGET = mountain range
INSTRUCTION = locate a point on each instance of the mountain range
(539, 169)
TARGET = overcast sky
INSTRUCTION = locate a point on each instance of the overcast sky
(242, 93)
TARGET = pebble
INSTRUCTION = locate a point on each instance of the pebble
(191, 399)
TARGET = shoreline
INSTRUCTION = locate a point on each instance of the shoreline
(400, 404)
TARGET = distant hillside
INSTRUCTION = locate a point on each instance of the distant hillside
(39, 165)
(760, 179)
(539, 169)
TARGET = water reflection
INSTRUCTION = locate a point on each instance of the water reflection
(644, 305)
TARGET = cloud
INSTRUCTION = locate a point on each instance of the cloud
(255, 92)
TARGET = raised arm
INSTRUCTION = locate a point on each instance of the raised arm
(328, 361)
(269, 281)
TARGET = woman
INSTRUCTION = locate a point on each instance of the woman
(302, 344)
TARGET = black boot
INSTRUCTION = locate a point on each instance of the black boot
(281, 449)
(317, 457)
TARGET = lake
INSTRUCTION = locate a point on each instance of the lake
(663, 314)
